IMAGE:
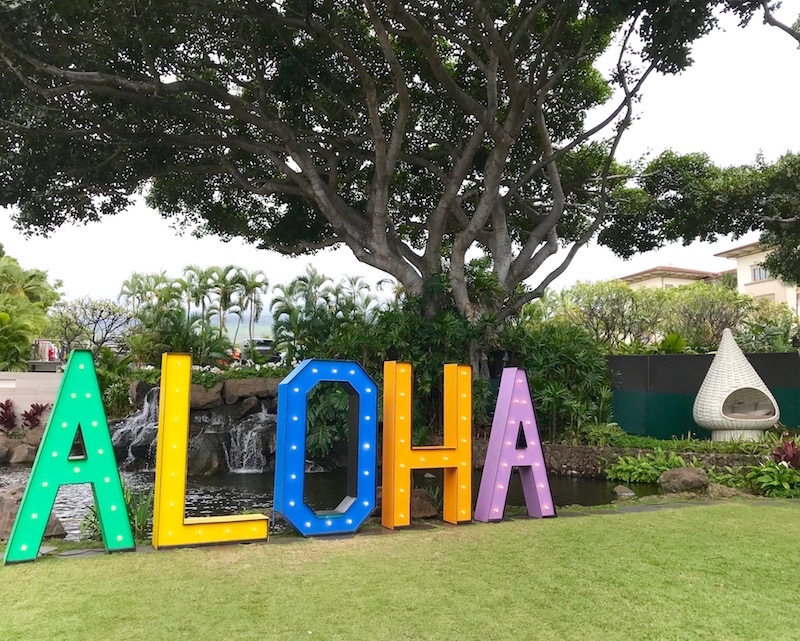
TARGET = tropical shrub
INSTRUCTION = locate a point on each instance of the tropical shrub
(8, 416)
(566, 372)
(602, 434)
(768, 327)
(644, 468)
(731, 476)
(680, 320)
(20, 322)
(25, 296)
(701, 311)
(326, 418)
(689, 443)
(116, 399)
(139, 505)
(787, 452)
(774, 479)
(614, 313)
(32, 418)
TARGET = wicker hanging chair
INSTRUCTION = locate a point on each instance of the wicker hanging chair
(733, 401)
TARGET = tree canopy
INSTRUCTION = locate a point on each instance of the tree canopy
(409, 130)
(685, 197)
(25, 296)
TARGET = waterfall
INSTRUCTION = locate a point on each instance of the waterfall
(137, 430)
(249, 443)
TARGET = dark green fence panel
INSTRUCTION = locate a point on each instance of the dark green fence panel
(653, 395)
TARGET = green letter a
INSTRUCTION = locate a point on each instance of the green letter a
(78, 405)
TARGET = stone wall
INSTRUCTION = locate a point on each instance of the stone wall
(588, 461)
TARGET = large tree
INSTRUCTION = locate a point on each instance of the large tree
(409, 130)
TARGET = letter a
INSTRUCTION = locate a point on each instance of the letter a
(78, 406)
(514, 442)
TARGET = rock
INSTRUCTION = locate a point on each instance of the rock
(34, 436)
(422, 506)
(683, 479)
(10, 498)
(54, 529)
(235, 389)
(143, 446)
(717, 491)
(23, 454)
(7, 445)
(623, 492)
(121, 440)
(206, 455)
(203, 399)
(138, 391)
(248, 406)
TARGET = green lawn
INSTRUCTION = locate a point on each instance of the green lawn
(723, 571)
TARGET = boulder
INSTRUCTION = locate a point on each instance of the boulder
(206, 455)
(143, 446)
(10, 498)
(683, 479)
(121, 440)
(23, 453)
(7, 445)
(422, 506)
(623, 492)
(235, 389)
(204, 399)
(137, 392)
(34, 436)
(248, 406)
(717, 491)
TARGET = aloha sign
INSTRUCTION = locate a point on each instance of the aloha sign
(513, 443)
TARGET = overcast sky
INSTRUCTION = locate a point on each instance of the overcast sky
(741, 97)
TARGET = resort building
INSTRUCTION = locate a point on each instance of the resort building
(666, 277)
(754, 280)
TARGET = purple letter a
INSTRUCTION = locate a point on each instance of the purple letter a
(514, 442)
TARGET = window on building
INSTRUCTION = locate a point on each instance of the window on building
(759, 273)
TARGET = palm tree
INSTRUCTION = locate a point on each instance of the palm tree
(254, 284)
(160, 292)
(286, 318)
(355, 299)
(132, 292)
(199, 284)
(315, 291)
(226, 283)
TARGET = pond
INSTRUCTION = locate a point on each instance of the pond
(236, 493)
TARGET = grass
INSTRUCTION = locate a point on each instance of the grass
(704, 572)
